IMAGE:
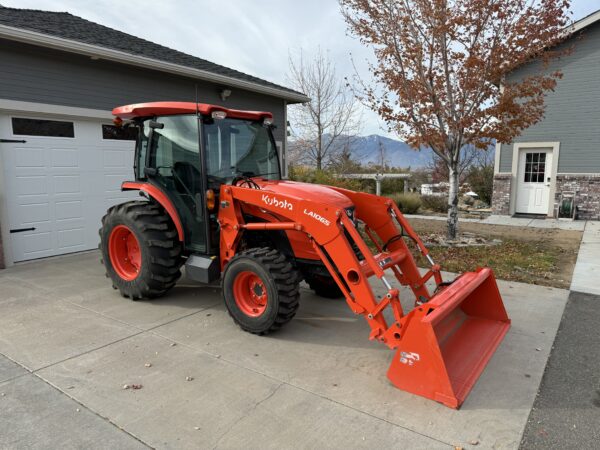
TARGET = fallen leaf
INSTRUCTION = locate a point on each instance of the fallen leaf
(147, 365)
(189, 378)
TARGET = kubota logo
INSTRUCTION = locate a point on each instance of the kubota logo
(315, 216)
(274, 201)
(409, 358)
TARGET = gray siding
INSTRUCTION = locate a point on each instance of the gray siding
(32, 74)
(572, 110)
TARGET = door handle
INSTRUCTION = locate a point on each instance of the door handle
(12, 141)
(21, 230)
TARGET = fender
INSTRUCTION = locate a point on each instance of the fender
(158, 195)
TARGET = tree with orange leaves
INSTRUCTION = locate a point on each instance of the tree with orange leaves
(440, 75)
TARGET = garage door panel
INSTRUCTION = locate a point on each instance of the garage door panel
(68, 210)
(67, 184)
(27, 157)
(72, 239)
(29, 213)
(116, 159)
(62, 187)
(31, 185)
(33, 245)
(65, 158)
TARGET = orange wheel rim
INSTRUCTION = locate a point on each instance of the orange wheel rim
(124, 252)
(250, 293)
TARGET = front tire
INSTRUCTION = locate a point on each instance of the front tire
(261, 290)
(140, 249)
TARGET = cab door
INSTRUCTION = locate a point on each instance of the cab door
(173, 163)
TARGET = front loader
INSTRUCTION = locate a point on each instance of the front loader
(215, 203)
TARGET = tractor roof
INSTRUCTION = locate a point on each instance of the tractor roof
(173, 108)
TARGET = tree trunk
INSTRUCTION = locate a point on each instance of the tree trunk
(453, 203)
(319, 159)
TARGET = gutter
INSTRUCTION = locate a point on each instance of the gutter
(45, 40)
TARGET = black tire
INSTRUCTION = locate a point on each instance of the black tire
(159, 247)
(279, 278)
(324, 286)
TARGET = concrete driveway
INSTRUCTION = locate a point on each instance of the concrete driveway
(71, 343)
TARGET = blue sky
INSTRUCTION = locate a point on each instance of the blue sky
(252, 36)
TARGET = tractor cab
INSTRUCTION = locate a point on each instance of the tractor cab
(189, 151)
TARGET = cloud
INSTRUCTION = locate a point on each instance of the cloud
(251, 36)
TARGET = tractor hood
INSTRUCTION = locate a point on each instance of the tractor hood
(307, 191)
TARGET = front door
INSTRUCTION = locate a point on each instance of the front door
(533, 181)
(174, 156)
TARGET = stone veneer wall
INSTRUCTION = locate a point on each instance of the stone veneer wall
(501, 194)
(587, 194)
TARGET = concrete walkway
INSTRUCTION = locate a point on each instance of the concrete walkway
(586, 275)
(577, 225)
(70, 343)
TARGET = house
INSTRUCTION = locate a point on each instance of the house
(558, 158)
(61, 161)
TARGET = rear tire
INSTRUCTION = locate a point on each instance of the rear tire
(140, 249)
(324, 286)
(261, 290)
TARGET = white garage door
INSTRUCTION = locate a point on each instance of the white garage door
(60, 181)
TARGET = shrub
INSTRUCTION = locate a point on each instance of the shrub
(481, 180)
(326, 177)
(437, 203)
(408, 203)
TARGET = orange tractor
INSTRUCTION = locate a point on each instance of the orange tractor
(215, 203)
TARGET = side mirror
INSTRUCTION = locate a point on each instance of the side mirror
(150, 171)
(154, 124)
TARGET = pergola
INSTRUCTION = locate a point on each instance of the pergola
(378, 177)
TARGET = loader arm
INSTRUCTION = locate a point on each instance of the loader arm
(331, 233)
(434, 339)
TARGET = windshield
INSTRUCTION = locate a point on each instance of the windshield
(237, 147)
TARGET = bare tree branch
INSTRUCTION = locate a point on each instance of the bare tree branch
(321, 127)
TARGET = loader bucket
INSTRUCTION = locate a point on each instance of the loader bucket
(450, 339)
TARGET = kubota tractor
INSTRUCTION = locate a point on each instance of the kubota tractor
(215, 203)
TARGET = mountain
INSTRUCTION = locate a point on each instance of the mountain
(367, 149)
